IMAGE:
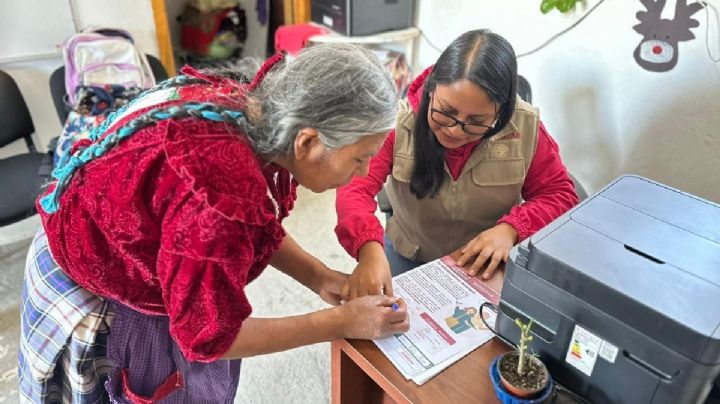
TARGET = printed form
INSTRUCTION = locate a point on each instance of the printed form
(445, 324)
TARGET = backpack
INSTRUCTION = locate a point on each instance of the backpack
(93, 106)
(99, 57)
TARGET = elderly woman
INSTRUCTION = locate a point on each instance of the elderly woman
(135, 285)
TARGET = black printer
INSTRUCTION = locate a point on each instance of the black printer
(625, 293)
(363, 17)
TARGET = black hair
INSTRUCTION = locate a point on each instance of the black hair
(485, 59)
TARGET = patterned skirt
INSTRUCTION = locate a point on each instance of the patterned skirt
(77, 347)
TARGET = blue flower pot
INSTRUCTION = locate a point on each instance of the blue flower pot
(506, 397)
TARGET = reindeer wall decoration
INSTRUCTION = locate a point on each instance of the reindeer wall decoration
(658, 50)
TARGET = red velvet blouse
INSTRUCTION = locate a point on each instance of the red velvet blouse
(176, 220)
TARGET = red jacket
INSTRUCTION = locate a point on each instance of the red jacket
(548, 190)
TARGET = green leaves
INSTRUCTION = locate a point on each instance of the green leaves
(562, 5)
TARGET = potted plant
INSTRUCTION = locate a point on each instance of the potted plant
(519, 376)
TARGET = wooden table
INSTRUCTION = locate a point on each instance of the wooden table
(362, 374)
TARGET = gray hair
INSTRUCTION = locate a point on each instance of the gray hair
(341, 90)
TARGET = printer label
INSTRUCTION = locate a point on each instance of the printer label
(608, 352)
(583, 350)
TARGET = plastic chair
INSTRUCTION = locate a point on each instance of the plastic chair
(19, 174)
(524, 90)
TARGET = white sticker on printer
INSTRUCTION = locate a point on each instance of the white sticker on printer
(583, 350)
(608, 351)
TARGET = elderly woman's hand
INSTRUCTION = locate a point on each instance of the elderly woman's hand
(372, 274)
(491, 246)
(331, 284)
(374, 317)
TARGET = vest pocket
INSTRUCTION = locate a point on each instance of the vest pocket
(401, 244)
(402, 168)
(499, 172)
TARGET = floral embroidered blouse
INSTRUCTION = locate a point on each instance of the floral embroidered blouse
(176, 220)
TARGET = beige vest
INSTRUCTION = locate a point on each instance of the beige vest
(488, 187)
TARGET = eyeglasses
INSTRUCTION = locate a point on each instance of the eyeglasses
(448, 121)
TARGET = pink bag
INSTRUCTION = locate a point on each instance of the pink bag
(99, 57)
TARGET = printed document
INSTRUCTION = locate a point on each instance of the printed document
(445, 324)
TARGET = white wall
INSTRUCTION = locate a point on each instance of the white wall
(608, 115)
(20, 22)
(136, 16)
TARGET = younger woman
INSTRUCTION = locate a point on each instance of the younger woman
(469, 166)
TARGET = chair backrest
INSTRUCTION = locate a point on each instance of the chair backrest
(158, 70)
(14, 114)
(59, 93)
(524, 90)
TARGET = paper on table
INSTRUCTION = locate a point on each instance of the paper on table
(421, 378)
(445, 325)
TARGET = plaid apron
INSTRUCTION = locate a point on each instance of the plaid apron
(64, 331)
(67, 353)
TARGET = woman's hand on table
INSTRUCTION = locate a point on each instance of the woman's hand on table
(489, 249)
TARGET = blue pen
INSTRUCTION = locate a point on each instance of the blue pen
(395, 307)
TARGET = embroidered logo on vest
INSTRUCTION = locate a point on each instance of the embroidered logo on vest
(500, 150)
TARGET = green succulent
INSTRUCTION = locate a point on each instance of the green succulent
(525, 338)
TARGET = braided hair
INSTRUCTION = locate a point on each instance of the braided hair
(65, 170)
